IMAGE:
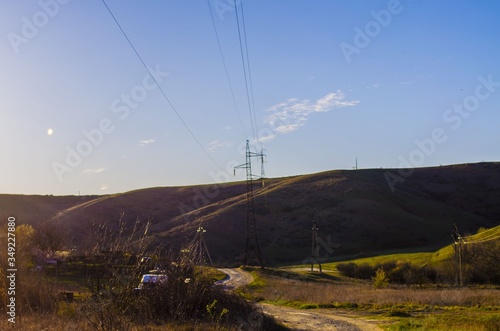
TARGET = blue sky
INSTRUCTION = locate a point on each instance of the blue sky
(392, 83)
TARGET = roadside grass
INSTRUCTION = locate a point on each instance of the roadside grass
(210, 273)
(399, 308)
(450, 320)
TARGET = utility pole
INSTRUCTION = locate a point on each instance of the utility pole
(315, 248)
(458, 249)
(252, 243)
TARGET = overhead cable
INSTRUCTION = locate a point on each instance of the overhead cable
(159, 87)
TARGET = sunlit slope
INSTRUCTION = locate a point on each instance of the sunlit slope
(33, 209)
(421, 259)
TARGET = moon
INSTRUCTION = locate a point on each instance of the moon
(50, 132)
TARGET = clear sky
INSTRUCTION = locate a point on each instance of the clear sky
(391, 83)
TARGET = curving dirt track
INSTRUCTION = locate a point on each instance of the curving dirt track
(235, 278)
(297, 319)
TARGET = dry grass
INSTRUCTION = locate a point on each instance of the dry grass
(325, 293)
(52, 322)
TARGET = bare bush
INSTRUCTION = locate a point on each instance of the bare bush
(187, 297)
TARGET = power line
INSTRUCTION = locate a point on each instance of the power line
(225, 67)
(249, 71)
(247, 81)
(159, 87)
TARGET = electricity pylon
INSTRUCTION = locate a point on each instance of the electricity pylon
(252, 244)
(198, 248)
(262, 172)
(315, 248)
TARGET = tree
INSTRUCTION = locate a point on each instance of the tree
(380, 280)
(481, 261)
(49, 238)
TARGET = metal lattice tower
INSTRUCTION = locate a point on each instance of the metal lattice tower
(198, 248)
(252, 244)
(262, 171)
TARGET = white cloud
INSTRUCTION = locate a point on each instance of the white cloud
(94, 171)
(376, 85)
(104, 187)
(291, 114)
(213, 145)
(146, 142)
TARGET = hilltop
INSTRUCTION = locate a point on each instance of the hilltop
(356, 211)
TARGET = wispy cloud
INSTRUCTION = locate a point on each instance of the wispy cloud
(213, 145)
(146, 142)
(93, 171)
(104, 187)
(291, 114)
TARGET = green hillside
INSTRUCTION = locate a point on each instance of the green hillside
(421, 259)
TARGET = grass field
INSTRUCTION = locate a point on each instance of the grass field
(397, 307)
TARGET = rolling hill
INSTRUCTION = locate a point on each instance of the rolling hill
(356, 211)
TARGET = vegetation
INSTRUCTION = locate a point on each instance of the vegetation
(108, 298)
(480, 258)
(380, 280)
(393, 272)
(411, 286)
(398, 307)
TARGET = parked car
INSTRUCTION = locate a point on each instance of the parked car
(149, 281)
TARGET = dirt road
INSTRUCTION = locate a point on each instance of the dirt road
(235, 278)
(301, 320)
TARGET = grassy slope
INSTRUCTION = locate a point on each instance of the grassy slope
(419, 258)
(33, 209)
(354, 209)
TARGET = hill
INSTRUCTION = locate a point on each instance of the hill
(33, 209)
(356, 211)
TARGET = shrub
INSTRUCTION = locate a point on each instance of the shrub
(396, 272)
(347, 269)
(380, 280)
